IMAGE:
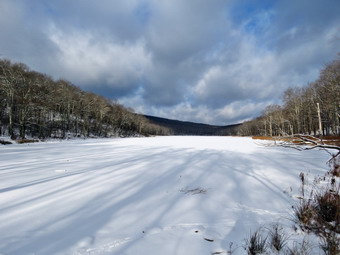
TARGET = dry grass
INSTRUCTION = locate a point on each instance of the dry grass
(329, 140)
(277, 238)
(328, 208)
(304, 214)
(320, 214)
(263, 138)
(256, 243)
(194, 191)
(331, 244)
(332, 140)
(21, 141)
(277, 138)
(299, 248)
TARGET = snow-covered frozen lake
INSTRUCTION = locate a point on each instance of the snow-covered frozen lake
(159, 195)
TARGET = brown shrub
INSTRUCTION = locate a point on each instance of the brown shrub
(327, 207)
(262, 138)
(27, 141)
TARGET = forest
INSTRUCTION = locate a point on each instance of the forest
(313, 109)
(34, 105)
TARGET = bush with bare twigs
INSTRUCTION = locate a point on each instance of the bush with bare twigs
(320, 212)
(277, 238)
(317, 213)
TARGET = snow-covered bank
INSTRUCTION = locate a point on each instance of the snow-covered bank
(132, 196)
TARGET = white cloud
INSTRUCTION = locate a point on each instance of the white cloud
(89, 60)
(243, 78)
(207, 61)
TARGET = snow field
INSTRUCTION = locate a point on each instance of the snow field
(139, 195)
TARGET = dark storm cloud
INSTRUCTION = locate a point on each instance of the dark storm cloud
(208, 61)
(307, 29)
(21, 35)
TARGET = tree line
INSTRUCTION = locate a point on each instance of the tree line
(35, 105)
(313, 109)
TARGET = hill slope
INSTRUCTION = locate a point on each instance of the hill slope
(191, 128)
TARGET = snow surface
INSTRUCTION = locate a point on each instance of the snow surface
(159, 195)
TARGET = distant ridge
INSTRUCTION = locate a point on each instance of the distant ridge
(191, 128)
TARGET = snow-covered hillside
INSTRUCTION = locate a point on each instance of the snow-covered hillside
(160, 195)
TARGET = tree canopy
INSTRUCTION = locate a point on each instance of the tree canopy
(303, 109)
(33, 104)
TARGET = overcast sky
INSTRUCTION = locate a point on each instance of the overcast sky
(208, 61)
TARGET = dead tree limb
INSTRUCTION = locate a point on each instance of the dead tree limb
(308, 142)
